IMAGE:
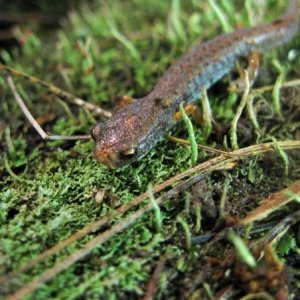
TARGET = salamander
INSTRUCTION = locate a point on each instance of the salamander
(132, 131)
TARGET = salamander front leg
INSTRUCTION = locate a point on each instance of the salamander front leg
(122, 102)
(191, 110)
(238, 85)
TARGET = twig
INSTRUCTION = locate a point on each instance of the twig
(202, 147)
(59, 92)
(256, 228)
(152, 285)
(269, 88)
(270, 204)
(34, 123)
(265, 242)
(277, 230)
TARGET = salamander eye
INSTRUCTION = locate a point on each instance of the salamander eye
(129, 153)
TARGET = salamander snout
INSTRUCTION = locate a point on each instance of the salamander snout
(110, 149)
(107, 158)
(112, 158)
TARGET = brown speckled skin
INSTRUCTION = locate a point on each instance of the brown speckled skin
(142, 124)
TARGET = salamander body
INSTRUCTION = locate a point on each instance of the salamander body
(131, 132)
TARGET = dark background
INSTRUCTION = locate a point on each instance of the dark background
(44, 13)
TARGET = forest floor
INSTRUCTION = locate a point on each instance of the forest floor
(73, 229)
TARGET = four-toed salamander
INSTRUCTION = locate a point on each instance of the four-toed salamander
(131, 132)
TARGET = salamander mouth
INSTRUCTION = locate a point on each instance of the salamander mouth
(114, 159)
(108, 158)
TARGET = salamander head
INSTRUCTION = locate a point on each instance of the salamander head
(117, 141)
